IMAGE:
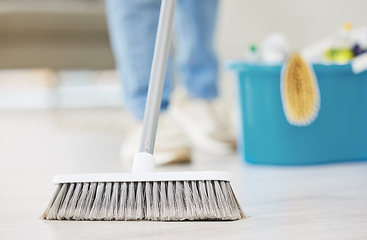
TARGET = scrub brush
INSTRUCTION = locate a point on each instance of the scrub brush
(144, 194)
(300, 91)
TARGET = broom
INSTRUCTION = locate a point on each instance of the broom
(144, 194)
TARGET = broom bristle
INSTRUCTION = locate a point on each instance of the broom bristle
(152, 200)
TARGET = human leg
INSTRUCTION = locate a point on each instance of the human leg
(132, 29)
(198, 72)
(196, 57)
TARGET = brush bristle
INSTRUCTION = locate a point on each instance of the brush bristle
(156, 201)
(300, 91)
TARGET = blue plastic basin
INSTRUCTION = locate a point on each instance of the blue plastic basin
(339, 134)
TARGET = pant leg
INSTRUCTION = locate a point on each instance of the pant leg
(196, 57)
(132, 28)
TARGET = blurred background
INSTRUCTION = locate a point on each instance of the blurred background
(56, 54)
(61, 111)
(57, 72)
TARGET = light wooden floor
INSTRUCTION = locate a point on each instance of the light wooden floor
(319, 202)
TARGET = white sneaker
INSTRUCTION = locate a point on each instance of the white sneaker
(205, 128)
(171, 145)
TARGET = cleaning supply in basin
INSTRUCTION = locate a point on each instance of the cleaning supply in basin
(275, 48)
(331, 48)
(339, 55)
(252, 54)
(338, 48)
(359, 63)
(343, 36)
(358, 50)
(144, 194)
(300, 91)
(341, 49)
(348, 44)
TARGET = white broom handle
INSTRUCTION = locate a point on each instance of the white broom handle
(157, 75)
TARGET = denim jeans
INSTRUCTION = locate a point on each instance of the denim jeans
(132, 28)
